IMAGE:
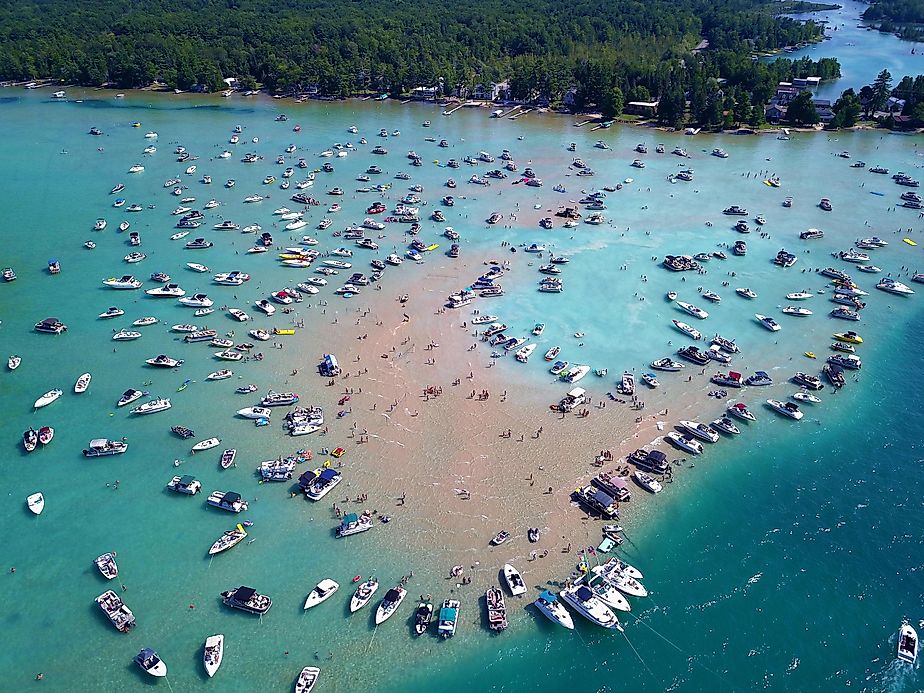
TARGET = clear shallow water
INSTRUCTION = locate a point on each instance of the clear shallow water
(798, 583)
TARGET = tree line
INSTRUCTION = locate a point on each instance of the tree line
(610, 51)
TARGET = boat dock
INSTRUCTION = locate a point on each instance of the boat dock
(450, 112)
(521, 113)
(580, 125)
(602, 126)
(510, 112)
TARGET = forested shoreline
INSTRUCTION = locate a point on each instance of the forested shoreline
(603, 52)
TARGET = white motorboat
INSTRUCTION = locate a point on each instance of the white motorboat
(213, 653)
(551, 608)
(148, 660)
(604, 590)
(127, 281)
(907, 644)
(119, 615)
(687, 329)
(647, 482)
(390, 604)
(255, 412)
(107, 566)
(575, 373)
(667, 364)
(891, 286)
(797, 311)
(238, 314)
(163, 361)
(700, 430)
(47, 398)
(125, 335)
(129, 396)
(229, 539)
(723, 423)
(691, 445)
(185, 327)
(307, 679)
(36, 503)
(740, 409)
(83, 382)
(624, 582)
(198, 300)
(363, 594)
(229, 355)
(222, 374)
(522, 355)
(206, 444)
(145, 321)
(13, 362)
(798, 296)
(111, 312)
(166, 291)
(767, 322)
(514, 580)
(227, 500)
(785, 408)
(322, 592)
(186, 484)
(152, 407)
(806, 397)
(693, 310)
(102, 447)
(197, 267)
(588, 605)
(265, 306)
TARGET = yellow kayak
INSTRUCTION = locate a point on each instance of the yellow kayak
(909, 241)
(278, 331)
(810, 354)
(433, 246)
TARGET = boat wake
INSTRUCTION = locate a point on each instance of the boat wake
(895, 677)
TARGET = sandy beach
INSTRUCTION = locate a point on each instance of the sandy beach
(431, 450)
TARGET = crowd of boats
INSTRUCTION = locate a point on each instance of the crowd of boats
(595, 593)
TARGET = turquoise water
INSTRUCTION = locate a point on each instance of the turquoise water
(862, 53)
(785, 560)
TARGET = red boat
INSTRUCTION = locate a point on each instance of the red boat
(45, 434)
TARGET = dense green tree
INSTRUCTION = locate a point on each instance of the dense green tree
(847, 110)
(882, 89)
(901, 11)
(612, 104)
(743, 111)
(802, 110)
(917, 115)
(543, 48)
(638, 93)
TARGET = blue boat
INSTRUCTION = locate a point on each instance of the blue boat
(449, 618)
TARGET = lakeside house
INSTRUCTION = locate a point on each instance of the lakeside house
(774, 113)
(424, 93)
(646, 109)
